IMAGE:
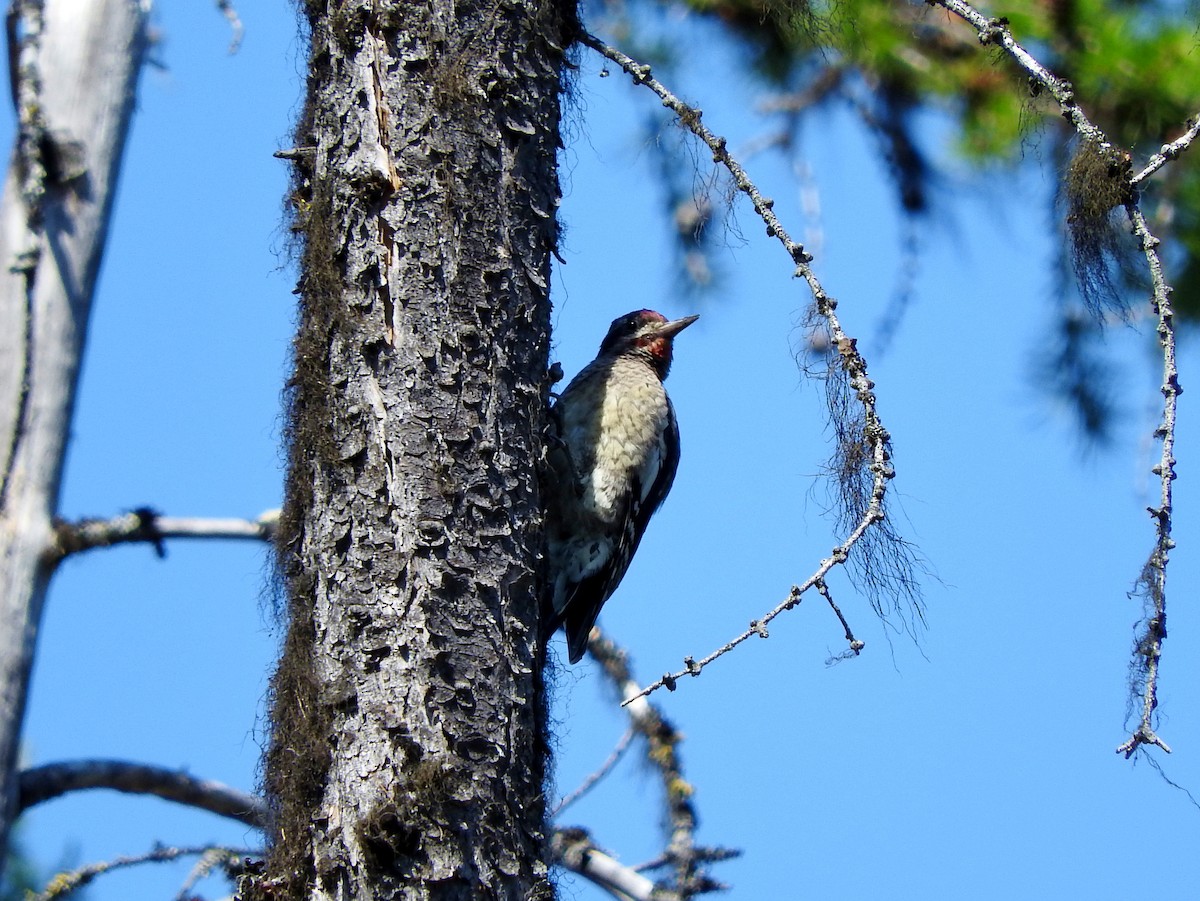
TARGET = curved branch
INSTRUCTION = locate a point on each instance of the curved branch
(53, 780)
(237, 30)
(867, 452)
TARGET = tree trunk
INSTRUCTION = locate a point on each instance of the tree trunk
(408, 755)
(76, 95)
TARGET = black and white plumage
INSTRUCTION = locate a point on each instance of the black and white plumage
(612, 462)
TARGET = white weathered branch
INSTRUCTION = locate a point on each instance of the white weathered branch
(574, 849)
(146, 525)
(87, 58)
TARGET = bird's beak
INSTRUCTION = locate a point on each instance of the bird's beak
(674, 327)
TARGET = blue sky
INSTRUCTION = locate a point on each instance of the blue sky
(980, 764)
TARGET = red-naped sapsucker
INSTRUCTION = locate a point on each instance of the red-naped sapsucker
(613, 453)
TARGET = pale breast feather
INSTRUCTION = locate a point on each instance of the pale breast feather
(618, 440)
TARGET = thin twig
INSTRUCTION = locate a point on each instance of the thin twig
(65, 883)
(758, 627)
(229, 11)
(1169, 152)
(826, 82)
(210, 860)
(594, 778)
(855, 646)
(1148, 650)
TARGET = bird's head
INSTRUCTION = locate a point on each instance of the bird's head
(646, 331)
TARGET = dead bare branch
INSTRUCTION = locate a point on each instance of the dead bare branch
(147, 525)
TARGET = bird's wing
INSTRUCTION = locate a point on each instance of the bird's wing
(664, 475)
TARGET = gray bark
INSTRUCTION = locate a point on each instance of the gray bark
(407, 754)
(87, 65)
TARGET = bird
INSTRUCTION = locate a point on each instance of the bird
(612, 454)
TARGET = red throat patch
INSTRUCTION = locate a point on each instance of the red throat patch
(659, 348)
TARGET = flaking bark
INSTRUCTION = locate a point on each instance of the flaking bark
(407, 752)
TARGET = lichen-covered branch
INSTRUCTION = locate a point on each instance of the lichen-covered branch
(662, 752)
(233, 863)
(1152, 584)
(28, 16)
